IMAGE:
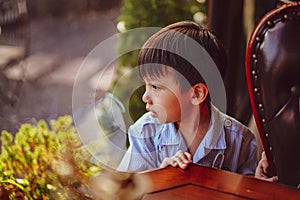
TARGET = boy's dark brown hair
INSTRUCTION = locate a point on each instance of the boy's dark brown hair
(184, 46)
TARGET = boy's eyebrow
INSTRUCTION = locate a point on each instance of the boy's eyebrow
(150, 79)
(153, 81)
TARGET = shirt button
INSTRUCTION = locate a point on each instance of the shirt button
(228, 122)
(161, 148)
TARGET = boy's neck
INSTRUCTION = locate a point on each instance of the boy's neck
(194, 128)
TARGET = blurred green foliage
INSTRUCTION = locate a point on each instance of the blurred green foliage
(45, 163)
(152, 13)
(145, 13)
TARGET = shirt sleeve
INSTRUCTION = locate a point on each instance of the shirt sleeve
(248, 158)
(241, 150)
(141, 154)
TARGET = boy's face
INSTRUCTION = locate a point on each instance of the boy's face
(165, 100)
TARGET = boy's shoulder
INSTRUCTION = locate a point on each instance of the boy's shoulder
(145, 126)
(232, 125)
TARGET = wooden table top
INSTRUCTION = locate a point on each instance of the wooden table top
(198, 182)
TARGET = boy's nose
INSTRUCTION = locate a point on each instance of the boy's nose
(146, 96)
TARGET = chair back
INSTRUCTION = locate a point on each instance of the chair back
(273, 78)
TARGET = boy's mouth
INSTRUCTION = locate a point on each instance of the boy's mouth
(152, 113)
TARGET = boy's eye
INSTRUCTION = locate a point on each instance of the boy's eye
(155, 87)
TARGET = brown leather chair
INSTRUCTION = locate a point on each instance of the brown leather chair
(273, 77)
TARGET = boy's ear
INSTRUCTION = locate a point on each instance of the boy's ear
(199, 93)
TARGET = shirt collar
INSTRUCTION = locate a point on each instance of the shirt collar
(214, 137)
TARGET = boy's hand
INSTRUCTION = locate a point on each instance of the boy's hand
(262, 169)
(181, 159)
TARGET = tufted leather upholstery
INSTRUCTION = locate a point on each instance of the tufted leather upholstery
(273, 77)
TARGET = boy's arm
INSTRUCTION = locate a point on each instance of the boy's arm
(141, 154)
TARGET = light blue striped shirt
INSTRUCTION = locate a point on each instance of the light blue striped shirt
(227, 145)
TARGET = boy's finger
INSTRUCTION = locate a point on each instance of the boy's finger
(188, 156)
(172, 162)
(273, 179)
(183, 159)
(265, 166)
(179, 159)
(263, 156)
(182, 163)
(168, 161)
(184, 156)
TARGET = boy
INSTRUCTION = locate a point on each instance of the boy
(182, 125)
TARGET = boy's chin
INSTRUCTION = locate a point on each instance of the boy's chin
(159, 118)
(162, 120)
